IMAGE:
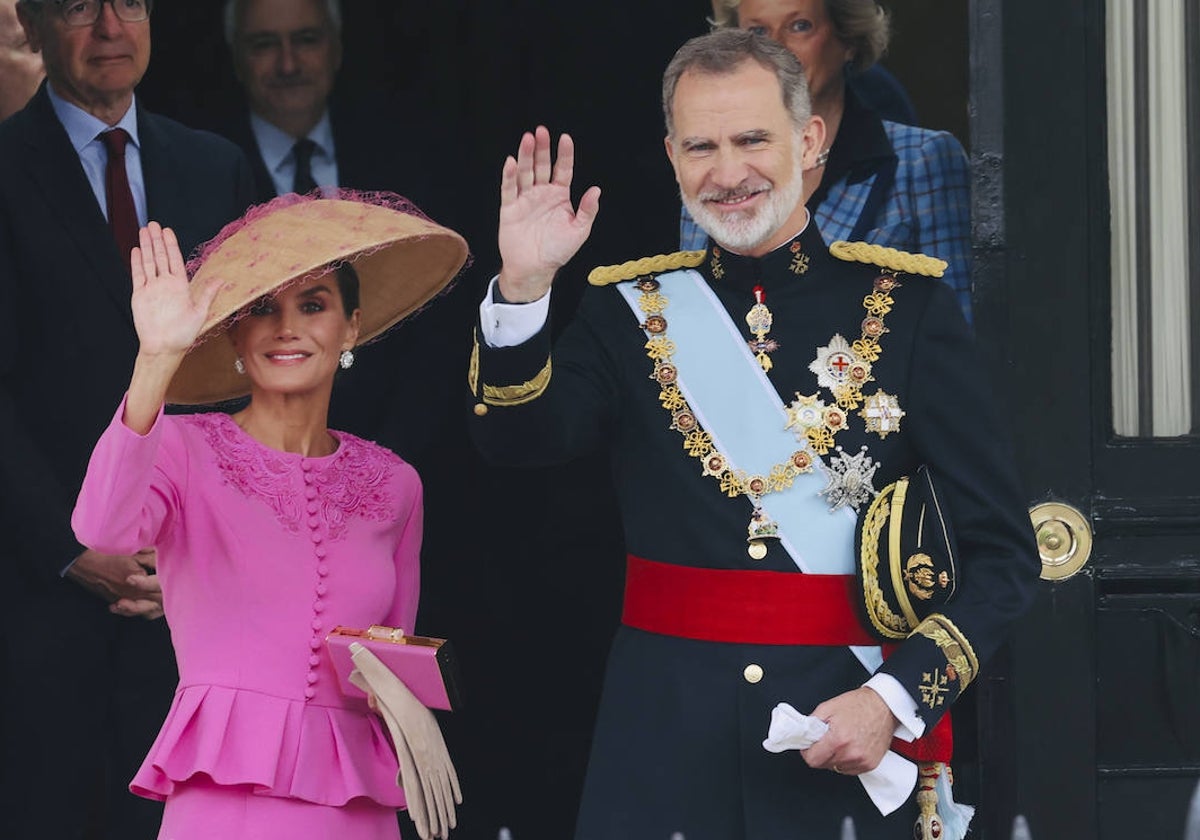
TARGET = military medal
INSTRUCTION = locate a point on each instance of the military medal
(833, 363)
(882, 413)
(841, 366)
(762, 527)
(759, 319)
(850, 480)
(815, 422)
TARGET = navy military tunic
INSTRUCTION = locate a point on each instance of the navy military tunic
(678, 740)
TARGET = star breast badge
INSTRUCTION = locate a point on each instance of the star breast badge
(882, 413)
(851, 480)
(805, 413)
(834, 362)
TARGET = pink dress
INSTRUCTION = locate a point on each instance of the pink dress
(260, 554)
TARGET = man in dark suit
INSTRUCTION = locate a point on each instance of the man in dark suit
(88, 681)
(298, 137)
(296, 133)
(286, 54)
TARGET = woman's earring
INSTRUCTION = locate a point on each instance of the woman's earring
(239, 365)
(346, 359)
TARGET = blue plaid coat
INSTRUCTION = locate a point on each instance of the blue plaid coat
(891, 184)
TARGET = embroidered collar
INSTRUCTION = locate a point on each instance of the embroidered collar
(325, 492)
(722, 267)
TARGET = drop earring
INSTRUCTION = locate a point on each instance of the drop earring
(239, 365)
(346, 359)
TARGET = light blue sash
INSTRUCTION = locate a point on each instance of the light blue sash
(739, 407)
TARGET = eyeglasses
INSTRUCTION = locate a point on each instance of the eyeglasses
(87, 12)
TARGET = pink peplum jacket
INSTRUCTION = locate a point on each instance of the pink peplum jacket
(260, 554)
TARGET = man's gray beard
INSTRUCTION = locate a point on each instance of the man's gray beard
(746, 234)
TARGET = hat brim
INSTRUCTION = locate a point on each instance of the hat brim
(402, 262)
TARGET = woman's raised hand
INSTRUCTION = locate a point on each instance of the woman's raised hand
(168, 311)
(539, 227)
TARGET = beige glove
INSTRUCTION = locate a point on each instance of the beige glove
(426, 773)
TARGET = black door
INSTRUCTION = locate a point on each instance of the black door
(1087, 210)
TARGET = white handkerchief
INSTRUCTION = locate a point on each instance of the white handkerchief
(888, 785)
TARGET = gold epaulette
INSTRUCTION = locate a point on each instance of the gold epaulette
(892, 258)
(605, 274)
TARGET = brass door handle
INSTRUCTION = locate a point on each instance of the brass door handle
(1064, 539)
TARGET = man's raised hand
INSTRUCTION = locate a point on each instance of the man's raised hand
(539, 227)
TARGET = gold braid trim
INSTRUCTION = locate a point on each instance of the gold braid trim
(527, 391)
(889, 258)
(886, 622)
(507, 395)
(473, 367)
(954, 645)
(607, 274)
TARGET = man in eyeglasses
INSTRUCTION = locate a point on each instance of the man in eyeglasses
(82, 166)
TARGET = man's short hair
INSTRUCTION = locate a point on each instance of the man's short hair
(724, 51)
(862, 25)
(333, 10)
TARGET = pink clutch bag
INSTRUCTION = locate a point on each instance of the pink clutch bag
(424, 664)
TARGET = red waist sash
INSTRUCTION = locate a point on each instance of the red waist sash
(746, 607)
(758, 608)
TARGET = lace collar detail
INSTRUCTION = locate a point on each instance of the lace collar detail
(355, 480)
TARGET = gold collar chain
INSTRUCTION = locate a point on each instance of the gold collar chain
(815, 424)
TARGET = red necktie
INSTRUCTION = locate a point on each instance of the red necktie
(122, 212)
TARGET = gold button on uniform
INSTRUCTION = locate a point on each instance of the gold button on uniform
(753, 673)
(480, 409)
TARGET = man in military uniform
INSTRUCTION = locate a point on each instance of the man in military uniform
(754, 398)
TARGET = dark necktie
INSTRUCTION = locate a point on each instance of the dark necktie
(122, 212)
(303, 151)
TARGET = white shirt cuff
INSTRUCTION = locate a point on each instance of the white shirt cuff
(903, 706)
(510, 324)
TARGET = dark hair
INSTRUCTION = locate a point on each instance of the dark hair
(347, 281)
(724, 51)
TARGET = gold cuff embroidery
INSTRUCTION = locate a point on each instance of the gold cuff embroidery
(959, 654)
(505, 395)
(528, 391)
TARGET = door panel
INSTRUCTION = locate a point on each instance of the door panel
(1087, 726)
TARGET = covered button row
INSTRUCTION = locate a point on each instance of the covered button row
(314, 524)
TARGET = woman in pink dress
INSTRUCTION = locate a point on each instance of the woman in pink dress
(270, 529)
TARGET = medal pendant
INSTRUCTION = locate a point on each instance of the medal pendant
(761, 528)
(759, 319)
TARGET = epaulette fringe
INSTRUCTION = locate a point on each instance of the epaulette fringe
(606, 274)
(892, 258)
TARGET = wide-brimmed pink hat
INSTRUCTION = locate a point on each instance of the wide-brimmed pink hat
(402, 259)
